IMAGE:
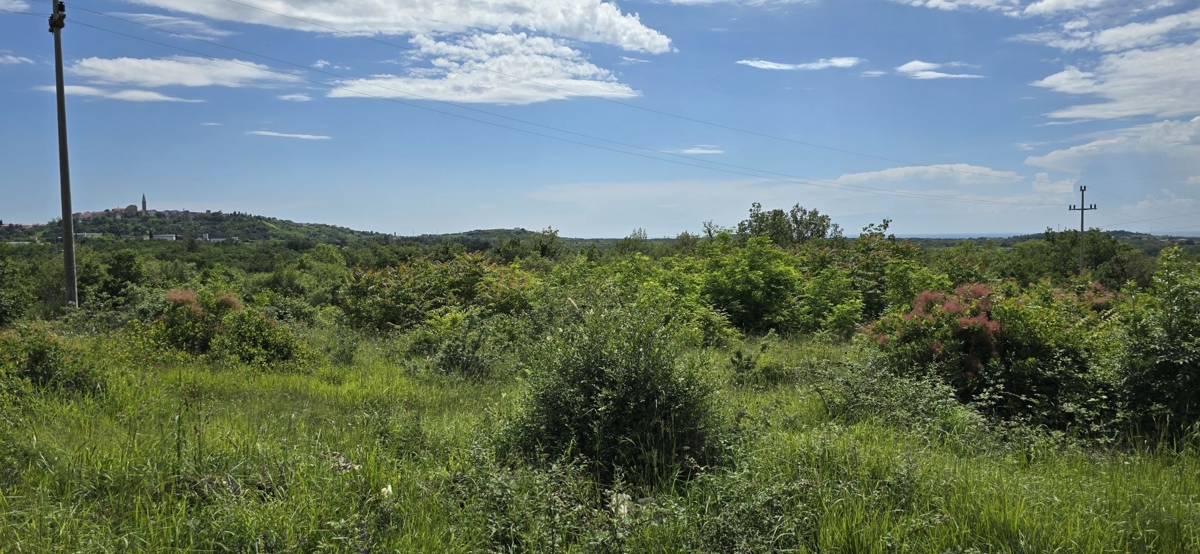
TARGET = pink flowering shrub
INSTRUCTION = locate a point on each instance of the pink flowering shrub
(1041, 354)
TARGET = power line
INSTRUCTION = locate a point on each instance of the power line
(737, 169)
(635, 106)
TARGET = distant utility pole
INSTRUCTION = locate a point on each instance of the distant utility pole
(1083, 209)
(58, 20)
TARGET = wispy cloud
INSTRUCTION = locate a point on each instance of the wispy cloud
(185, 71)
(824, 63)
(699, 149)
(128, 95)
(14, 60)
(1193, 180)
(288, 135)
(874, 73)
(174, 24)
(918, 69)
(14, 5)
(211, 124)
(626, 60)
(298, 97)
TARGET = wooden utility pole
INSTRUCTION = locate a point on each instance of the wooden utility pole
(1083, 208)
(58, 20)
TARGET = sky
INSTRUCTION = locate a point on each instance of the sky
(598, 117)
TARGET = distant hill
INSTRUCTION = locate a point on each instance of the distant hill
(255, 228)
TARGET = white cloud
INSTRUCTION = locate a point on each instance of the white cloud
(287, 135)
(14, 60)
(1009, 7)
(299, 97)
(494, 69)
(699, 149)
(320, 64)
(177, 71)
(175, 24)
(1076, 36)
(626, 60)
(1164, 82)
(128, 95)
(583, 20)
(742, 2)
(874, 73)
(1178, 142)
(918, 69)
(824, 63)
(1193, 180)
(211, 124)
(14, 5)
(1050, 7)
(961, 174)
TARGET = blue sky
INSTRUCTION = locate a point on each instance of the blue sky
(946, 116)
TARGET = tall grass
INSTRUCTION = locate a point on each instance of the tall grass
(381, 455)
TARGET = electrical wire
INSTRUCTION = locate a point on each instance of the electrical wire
(635, 106)
(738, 170)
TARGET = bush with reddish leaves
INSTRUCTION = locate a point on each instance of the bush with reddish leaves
(1042, 355)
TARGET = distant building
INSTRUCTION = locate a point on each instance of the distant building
(88, 235)
(143, 203)
(163, 237)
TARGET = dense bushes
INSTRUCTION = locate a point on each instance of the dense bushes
(1161, 363)
(403, 296)
(36, 357)
(218, 324)
(615, 388)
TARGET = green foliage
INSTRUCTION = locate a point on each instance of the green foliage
(755, 286)
(1160, 373)
(797, 226)
(615, 389)
(904, 279)
(830, 302)
(403, 297)
(251, 338)
(13, 296)
(45, 361)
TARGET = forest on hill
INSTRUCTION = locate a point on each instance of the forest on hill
(772, 386)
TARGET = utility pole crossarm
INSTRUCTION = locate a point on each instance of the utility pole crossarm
(1083, 208)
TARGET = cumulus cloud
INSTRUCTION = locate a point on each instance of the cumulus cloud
(494, 69)
(177, 71)
(1161, 82)
(1193, 180)
(320, 64)
(961, 174)
(128, 95)
(175, 24)
(699, 149)
(918, 69)
(298, 97)
(287, 135)
(583, 20)
(8, 59)
(824, 63)
(14, 5)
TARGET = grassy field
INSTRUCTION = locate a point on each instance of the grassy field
(385, 455)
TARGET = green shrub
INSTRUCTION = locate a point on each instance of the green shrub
(251, 338)
(753, 366)
(1042, 355)
(755, 286)
(463, 351)
(13, 296)
(614, 388)
(403, 297)
(829, 302)
(36, 356)
(1160, 372)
